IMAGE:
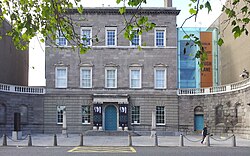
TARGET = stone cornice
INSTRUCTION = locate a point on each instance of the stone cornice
(115, 10)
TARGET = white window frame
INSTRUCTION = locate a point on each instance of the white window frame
(139, 39)
(164, 37)
(165, 78)
(81, 78)
(133, 122)
(164, 117)
(56, 77)
(89, 29)
(106, 76)
(59, 109)
(88, 115)
(106, 36)
(60, 37)
(130, 77)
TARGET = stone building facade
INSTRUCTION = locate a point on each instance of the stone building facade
(114, 85)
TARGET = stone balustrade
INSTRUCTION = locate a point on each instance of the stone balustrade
(21, 89)
(215, 90)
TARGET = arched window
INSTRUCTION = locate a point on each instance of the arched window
(2, 114)
(198, 110)
(219, 115)
(24, 114)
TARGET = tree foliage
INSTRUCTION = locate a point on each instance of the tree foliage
(31, 17)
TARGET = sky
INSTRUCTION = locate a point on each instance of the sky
(36, 49)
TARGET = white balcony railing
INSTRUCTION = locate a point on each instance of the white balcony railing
(214, 90)
(21, 89)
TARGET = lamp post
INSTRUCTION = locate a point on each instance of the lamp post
(244, 74)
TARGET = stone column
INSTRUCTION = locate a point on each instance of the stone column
(64, 126)
(153, 127)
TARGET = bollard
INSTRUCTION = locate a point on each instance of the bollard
(156, 140)
(129, 140)
(81, 140)
(4, 140)
(55, 140)
(181, 141)
(233, 141)
(29, 140)
(208, 140)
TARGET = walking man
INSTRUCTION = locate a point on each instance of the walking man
(204, 133)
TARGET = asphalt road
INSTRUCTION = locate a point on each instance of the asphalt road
(124, 151)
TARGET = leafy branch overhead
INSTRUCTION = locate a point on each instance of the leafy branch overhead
(237, 13)
(31, 17)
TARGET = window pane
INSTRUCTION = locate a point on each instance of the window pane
(159, 38)
(160, 115)
(136, 40)
(135, 114)
(135, 78)
(111, 78)
(86, 78)
(160, 79)
(61, 79)
(60, 110)
(61, 40)
(24, 114)
(110, 37)
(86, 37)
(85, 114)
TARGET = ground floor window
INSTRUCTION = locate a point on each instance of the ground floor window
(60, 110)
(135, 114)
(160, 115)
(85, 114)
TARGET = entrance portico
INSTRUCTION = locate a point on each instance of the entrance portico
(110, 112)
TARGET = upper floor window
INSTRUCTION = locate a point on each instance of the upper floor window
(60, 110)
(160, 115)
(86, 77)
(61, 40)
(135, 78)
(160, 78)
(111, 77)
(160, 37)
(61, 77)
(86, 34)
(111, 33)
(136, 41)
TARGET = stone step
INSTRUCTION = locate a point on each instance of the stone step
(109, 133)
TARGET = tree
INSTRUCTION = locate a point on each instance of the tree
(31, 17)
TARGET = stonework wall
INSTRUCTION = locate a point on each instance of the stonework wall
(73, 100)
(236, 108)
(12, 103)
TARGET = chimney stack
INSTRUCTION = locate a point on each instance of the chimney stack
(167, 3)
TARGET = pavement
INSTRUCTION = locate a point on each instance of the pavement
(73, 140)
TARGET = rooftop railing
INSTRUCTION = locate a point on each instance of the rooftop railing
(215, 90)
(21, 89)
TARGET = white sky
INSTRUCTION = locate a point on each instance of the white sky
(37, 54)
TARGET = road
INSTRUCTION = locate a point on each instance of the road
(124, 151)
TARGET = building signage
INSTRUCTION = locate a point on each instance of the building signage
(207, 71)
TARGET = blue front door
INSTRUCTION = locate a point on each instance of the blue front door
(198, 122)
(110, 118)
